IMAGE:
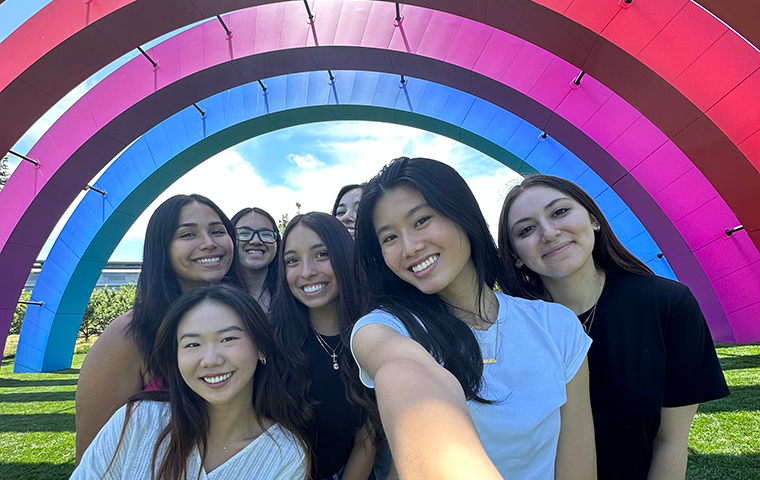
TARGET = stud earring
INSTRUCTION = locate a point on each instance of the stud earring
(597, 227)
(263, 360)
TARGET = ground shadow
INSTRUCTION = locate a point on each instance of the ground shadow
(723, 467)
(742, 398)
(37, 397)
(49, 382)
(738, 362)
(36, 471)
(37, 422)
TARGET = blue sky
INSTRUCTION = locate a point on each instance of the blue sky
(306, 164)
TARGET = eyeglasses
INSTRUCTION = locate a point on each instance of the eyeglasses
(246, 234)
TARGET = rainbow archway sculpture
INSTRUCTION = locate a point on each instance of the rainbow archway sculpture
(662, 149)
(182, 141)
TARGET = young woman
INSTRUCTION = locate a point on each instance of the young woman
(188, 243)
(346, 205)
(258, 242)
(652, 360)
(226, 412)
(470, 383)
(318, 297)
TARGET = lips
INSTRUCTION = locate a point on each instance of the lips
(217, 379)
(255, 253)
(426, 263)
(558, 249)
(313, 288)
(208, 260)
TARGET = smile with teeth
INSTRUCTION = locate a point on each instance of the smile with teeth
(313, 288)
(255, 253)
(218, 378)
(424, 264)
(208, 260)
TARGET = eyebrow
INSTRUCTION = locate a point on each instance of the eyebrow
(548, 206)
(218, 332)
(411, 212)
(313, 247)
(195, 224)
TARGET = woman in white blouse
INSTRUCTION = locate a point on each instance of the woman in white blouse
(225, 413)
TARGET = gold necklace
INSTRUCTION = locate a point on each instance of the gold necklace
(586, 324)
(488, 361)
(334, 355)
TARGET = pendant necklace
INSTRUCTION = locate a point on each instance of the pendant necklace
(334, 355)
(586, 324)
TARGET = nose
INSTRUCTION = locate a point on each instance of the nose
(207, 241)
(412, 245)
(350, 216)
(308, 270)
(549, 232)
(211, 356)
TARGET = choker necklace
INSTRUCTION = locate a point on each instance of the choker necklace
(334, 355)
(586, 324)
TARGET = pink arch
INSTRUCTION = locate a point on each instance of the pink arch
(530, 71)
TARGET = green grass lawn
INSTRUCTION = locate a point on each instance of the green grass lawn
(37, 422)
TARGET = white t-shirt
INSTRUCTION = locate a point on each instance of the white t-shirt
(275, 454)
(539, 347)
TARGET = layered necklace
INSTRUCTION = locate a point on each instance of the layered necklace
(327, 348)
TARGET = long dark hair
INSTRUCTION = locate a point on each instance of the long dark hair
(291, 317)
(342, 192)
(609, 254)
(189, 423)
(270, 282)
(448, 338)
(157, 285)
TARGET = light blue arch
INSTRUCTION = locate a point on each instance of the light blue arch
(175, 146)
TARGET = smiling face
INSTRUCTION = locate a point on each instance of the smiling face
(255, 254)
(421, 246)
(308, 269)
(552, 233)
(201, 250)
(216, 356)
(347, 208)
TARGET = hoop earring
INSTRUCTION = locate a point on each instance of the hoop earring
(263, 360)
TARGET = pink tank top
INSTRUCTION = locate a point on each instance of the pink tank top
(155, 385)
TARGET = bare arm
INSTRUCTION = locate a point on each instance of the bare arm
(423, 409)
(111, 373)
(576, 450)
(669, 450)
(362, 457)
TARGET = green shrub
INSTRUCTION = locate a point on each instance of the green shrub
(105, 304)
(18, 315)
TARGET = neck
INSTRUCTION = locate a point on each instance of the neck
(579, 292)
(325, 319)
(233, 421)
(473, 309)
(254, 280)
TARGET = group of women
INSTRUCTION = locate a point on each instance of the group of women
(307, 355)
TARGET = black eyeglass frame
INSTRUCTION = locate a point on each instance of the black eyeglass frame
(257, 232)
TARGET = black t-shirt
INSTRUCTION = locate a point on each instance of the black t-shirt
(651, 349)
(337, 419)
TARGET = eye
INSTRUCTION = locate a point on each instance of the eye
(219, 231)
(291, 261)
(560, 211)
(229, 339)
(421, 221)
(525, 231)
(340, 213)
(322, 254)
(388, 238)
(187, 234)
(192, 345)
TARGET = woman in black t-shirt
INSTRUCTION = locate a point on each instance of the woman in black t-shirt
(652, 361)
(318, 297)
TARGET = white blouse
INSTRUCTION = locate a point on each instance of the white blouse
(275, 454)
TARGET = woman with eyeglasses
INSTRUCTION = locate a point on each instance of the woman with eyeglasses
(189, 243)
(318, 297)
(258, 242)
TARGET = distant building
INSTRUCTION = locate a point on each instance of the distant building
(115, 274)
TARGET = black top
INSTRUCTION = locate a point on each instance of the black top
(651, 349)
(337, 420)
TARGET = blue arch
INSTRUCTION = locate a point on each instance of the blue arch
(181, 142)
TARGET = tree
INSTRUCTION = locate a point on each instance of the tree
(18, 315)
(105, 304)
(282, 224)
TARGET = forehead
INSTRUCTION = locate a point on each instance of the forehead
(395, 204)
(208, 316)
(199, 213)
(301, 238)
(351, 196)
(255, 221)
(533, 200)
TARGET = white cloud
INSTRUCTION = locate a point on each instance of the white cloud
(305, 161)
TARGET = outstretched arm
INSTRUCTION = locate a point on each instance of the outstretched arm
(669, 450)
(110, 374)
(423, 408)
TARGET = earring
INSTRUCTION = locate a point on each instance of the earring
(519, 263)
(597, 227)
(263, 360)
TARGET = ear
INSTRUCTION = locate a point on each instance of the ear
(596, 225)
(262, 359)
(519, 263)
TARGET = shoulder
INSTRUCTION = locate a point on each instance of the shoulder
(546, 314)
(380, 317)
(115, 350)
(151, 413)
(650, 285)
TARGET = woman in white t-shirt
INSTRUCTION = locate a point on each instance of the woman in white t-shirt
(470, 383)
(225, 413)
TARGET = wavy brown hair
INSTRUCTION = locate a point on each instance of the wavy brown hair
(609, 254)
